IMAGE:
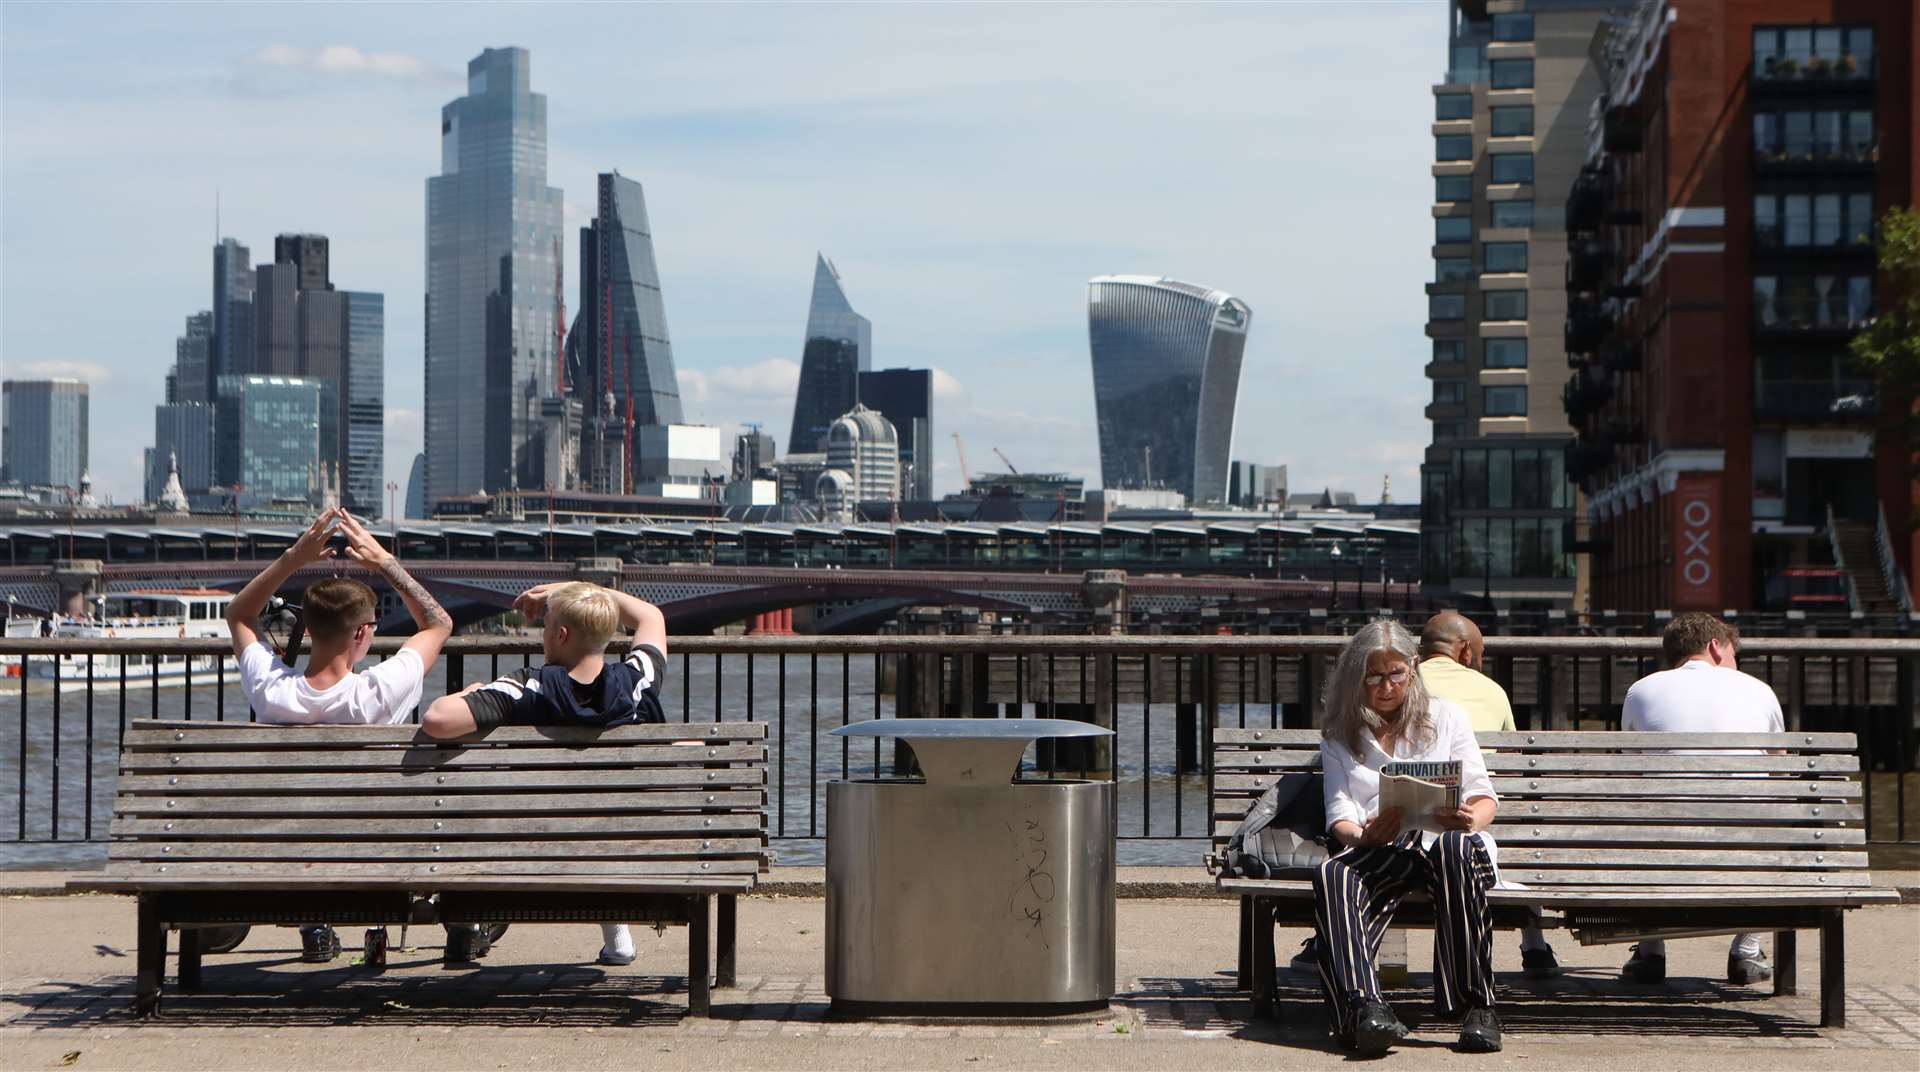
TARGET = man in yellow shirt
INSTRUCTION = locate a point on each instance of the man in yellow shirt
(1451, 654)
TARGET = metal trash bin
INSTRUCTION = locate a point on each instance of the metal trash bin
(971, 889)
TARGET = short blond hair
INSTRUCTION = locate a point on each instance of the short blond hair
(589, 613)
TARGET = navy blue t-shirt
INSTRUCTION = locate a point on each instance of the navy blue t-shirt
(625, 692)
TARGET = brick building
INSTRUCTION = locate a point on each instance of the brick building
(1721, 254)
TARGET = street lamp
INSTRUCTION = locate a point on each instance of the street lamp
(393, 515)
(1334, 604)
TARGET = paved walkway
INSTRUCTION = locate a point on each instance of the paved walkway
(65, 967)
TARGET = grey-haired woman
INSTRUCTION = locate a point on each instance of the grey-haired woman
(1378, 712)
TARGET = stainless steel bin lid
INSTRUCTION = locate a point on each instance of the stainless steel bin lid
(970, 751)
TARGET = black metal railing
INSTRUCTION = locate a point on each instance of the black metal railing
(1163, 695)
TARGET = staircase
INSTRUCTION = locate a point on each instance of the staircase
(1857, 553)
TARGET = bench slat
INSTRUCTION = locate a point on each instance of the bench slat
(553, 883)
(1554, 740)
(1527, 856)
(429, 805)
(1652, 877)
(1641, 788)
(606, 781)
(427, 760)
(555, 826)
(1627, 763)
(1513, 836)
(394, 851)
(1235, 793)
(404, 874)
(1603, 896)
(147, 735)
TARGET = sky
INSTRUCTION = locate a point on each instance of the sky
(967, 168)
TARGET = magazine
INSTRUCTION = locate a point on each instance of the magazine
(1419, 790)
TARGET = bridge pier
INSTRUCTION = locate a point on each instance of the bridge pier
(605, 572)
(79, 581)
(1104, 593)
(771, 623)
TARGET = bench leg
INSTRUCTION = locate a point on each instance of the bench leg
(724, 946)
(1786, 962)
(1265, 1006)
(1833, 969)
(1243, 971)
(699, 983)
(190, 959)
(150, 958)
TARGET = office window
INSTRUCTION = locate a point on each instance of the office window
(1504, 353)
(1452, 188)
(1449, 349)
(1453, 147)
(1469, 64)
(1814, 52)
(1470, 479)
(1449, 391)
(1512, 167)
(1511, 74)
(1453, 106)
(1503, 401)
(1512, 122)
(1503, 257)
(1506, 305)
(1453, 229)
(1859, 219)
(1446, 307)
(1510, 214)
(1452, 269)
(1513, 26)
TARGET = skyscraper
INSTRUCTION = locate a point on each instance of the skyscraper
(905, 398)
(300, 328)
(1509, 129)
(364, 463)
(493, 241)
(1166, 380)
(231, 347)
(620, 362)
(838, 348)
(192, 351)
(182, 431)
(43, 432)
(269, 437)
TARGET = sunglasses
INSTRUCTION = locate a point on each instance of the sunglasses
(1396, 678)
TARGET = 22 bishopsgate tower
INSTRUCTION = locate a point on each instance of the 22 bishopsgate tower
(493, 278)
(1166, 377)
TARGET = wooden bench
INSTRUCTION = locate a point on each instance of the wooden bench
(220, 824)
(1614, 843)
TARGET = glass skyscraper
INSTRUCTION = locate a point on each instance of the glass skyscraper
(43, 432)
(493, 272)
(189, 382)
(182, 434)
(620, 361)
(231, 349)
(269, 437)
(838, 349)
(1166, 380)
(905, 398)
(366, 391)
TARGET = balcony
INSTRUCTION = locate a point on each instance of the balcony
(1450, 368)
(1810, 155)
(1620, 130)
(1588, 325)
(1587, 457)
(1812, 306)
(1446, 411)
(1587, 201)
(1586, 264)
(1584, 394)
(1815, 400)
(1621, 356)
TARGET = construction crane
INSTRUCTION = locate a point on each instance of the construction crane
(1003, 458)
(961, 449)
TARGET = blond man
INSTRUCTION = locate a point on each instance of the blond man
(576, 687)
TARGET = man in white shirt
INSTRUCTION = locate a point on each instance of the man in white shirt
(339, 614)
(1704, 692)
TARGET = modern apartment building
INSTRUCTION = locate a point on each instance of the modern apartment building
(1166, 382)
(1726, 219)
(43, 432)
(1509, 136)
(838, 348)
(493, 273)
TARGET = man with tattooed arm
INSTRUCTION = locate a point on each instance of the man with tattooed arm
(340, 616)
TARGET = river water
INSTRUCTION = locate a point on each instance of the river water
(1162, 816)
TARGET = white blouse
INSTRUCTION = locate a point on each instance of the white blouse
(1352, 784)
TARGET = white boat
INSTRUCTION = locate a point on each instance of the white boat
(143, 614)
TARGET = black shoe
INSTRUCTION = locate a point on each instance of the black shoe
(1376, 1030)
(1753, 969)
(466, 943)
(1308, 959)
(1644, 968)
(1539, 963)
(1481, 1032)
(318, 944)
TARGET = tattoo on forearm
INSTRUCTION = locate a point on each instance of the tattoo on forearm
(433, 615)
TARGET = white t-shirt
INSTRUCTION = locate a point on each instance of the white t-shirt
(1352, 784)
(1699, 697)
(382, 696)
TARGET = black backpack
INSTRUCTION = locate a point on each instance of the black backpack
(1285, 830)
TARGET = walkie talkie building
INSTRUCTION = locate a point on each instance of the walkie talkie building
(1166, 379)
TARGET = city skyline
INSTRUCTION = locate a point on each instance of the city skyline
(972, 266)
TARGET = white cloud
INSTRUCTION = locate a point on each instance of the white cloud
(72, 370)
(345, 60)
(947, 387)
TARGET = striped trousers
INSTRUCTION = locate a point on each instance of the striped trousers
(1354, 898)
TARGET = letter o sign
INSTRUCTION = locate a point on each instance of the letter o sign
(1696, 567)
(1696, 514)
